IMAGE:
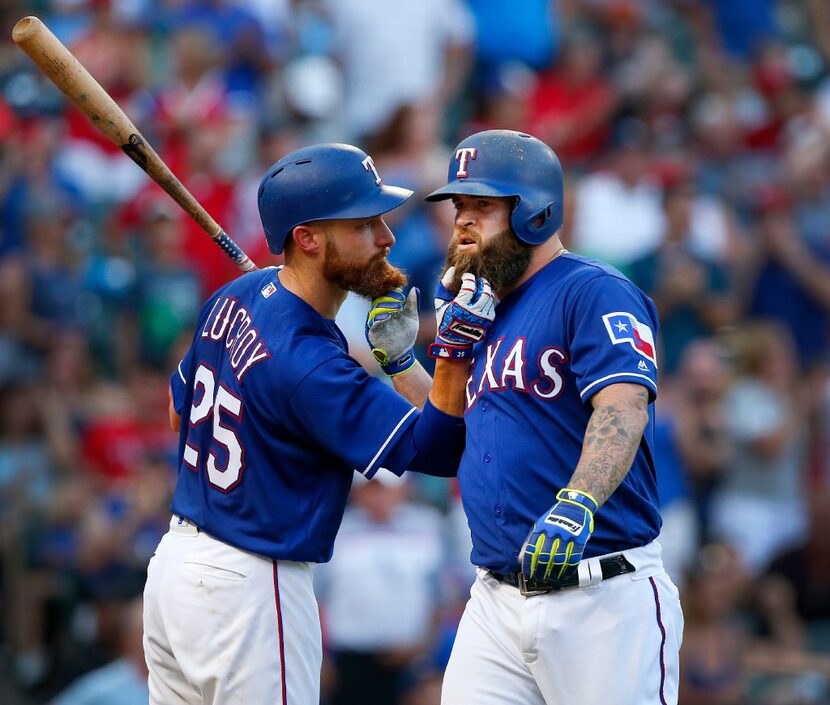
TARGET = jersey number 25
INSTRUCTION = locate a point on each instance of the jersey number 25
(213, 402)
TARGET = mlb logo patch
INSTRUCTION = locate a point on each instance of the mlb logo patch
(623, 327)
(268, 289)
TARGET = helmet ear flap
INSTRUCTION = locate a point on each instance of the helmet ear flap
(536, 227)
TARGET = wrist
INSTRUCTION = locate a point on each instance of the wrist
(445, 351)
(396, 367)
(579, 497)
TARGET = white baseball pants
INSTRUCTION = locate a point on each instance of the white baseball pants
(614, 642)
(225, 626)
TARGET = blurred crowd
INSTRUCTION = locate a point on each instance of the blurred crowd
(695, 137)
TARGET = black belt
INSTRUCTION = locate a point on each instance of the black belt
(611, 567)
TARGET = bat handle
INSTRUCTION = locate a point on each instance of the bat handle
(233, 251)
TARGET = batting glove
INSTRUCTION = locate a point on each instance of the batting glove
(462, 319)
(555, 545)
(391, 329)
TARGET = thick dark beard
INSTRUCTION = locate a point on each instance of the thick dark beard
(370, 279)
(502, 261)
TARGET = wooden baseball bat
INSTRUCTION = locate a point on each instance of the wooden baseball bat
(67, 73)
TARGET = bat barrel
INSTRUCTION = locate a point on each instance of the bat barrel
(25, 29)
(67, 73)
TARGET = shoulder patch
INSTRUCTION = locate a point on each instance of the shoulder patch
(623, 327)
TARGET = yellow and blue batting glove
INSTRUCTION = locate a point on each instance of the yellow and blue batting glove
(557, 540)
(391, 329)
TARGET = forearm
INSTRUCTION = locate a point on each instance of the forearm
(446, 392)
(718, 311)
(461, 321)
(413, 385)
(172, 415)
(612, 438)
(438, 434)
(665, 301)
(458, 61)
(812, 275)
(437, 443)
(820, 20)
(448, 386)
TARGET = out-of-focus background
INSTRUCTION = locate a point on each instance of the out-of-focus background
(695, 135)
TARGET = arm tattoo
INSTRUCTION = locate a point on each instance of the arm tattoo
(612, 438)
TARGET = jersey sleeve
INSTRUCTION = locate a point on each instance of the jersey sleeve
(612, 327)
(354, 416)
(178, 382)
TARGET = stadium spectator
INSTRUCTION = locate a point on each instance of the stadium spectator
(123, 680)
(414, 52)
(572, 104)
(694, 295)
(623, 195)
(699, 412)
(379, 594)
(765, 420)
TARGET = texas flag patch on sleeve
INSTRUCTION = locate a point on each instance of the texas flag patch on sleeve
(623, 327)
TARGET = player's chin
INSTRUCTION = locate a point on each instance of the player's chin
(467, 248)
(376, 279)
(384, 278)
(464, 262)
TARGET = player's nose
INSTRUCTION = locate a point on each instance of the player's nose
(384, 236)
(464, 217)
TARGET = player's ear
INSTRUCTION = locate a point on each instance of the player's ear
(307, 239)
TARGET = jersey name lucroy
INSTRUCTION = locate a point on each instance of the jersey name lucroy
(231, 324)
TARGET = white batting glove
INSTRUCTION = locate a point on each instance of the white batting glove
(462, 320)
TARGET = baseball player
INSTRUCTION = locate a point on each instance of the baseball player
(571, 604)
(274, 416)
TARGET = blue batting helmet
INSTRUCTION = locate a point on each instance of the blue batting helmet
(322, 182)
(504, 163)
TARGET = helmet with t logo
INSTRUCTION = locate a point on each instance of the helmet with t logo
(322, 182)
(505, 163)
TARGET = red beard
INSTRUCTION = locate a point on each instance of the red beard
(370, 279)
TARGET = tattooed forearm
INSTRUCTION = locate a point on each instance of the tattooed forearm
(611, 440)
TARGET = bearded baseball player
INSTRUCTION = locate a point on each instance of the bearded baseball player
(571, 604)
(274, 418)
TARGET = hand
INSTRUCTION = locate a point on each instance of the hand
(391, 329)
(555, 544)
(443, 296)
(462, 320)
(684, 281)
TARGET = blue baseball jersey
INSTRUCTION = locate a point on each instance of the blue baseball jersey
(275, 419)
(575, 327)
